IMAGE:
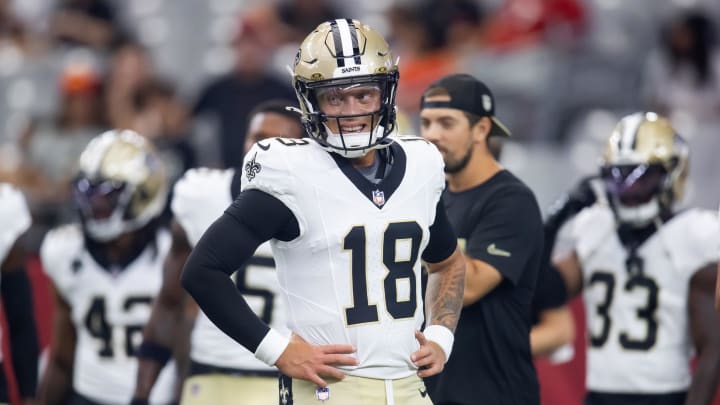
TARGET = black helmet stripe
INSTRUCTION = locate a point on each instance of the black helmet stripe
(339, 55)
(346, 42)
(629, 142)
(354, 39)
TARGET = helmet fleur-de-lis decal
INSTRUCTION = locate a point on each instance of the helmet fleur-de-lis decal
(252, 168)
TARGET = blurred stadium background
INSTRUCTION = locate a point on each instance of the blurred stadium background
(186, 72)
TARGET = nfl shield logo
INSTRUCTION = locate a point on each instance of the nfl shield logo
(378, 197)
(322, 393)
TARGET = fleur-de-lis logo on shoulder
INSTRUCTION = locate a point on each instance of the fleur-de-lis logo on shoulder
(252, 168)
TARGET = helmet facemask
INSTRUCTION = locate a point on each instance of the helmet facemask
(635, 191)
(350, 135)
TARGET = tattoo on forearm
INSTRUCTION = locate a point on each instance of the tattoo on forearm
(445, 295)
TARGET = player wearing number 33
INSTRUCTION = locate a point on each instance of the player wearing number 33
(647, 272)
(349, 214)
(105, 272)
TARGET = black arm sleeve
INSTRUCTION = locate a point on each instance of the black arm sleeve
(442, 237)
(552, 225)
(566, 207)
(17, 301)
(551, 291)
(252, 219)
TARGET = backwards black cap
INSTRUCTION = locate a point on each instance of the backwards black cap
(470, 95)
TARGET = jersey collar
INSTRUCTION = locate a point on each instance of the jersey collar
(377, 194)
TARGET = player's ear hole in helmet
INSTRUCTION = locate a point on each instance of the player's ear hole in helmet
(644, 168)
(121, 184)
(345, 80)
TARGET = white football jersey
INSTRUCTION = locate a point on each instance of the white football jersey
(199, 198)
(109, 311)
(636, 311)
(353, 274)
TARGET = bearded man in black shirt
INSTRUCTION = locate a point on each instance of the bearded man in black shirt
(498, 222)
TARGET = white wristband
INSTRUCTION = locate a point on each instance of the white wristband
(271, 347)
(442, 336)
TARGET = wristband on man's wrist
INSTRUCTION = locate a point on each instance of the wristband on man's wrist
(441, 335)
(271, 347)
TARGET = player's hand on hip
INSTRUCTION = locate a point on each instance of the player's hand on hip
(308, 362)
(429, 358)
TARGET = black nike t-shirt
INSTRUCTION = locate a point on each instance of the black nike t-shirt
(499, 223)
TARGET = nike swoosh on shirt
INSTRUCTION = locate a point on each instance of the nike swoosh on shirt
(263, 147)
(422, 393)
(493, 250)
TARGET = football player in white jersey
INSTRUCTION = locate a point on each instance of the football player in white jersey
(647, 273)
(349, 214)
(106, 271)
(17, 296)
(221, 370)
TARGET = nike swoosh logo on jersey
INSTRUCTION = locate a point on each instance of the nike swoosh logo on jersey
(422, 393)
(496, 251)
(263, 147)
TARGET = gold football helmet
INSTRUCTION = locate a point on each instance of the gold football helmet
(339, 56)
(644, 168)
(121, 185)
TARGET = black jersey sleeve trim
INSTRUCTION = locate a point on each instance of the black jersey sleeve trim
(443, 241)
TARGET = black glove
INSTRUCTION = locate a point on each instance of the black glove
(583, 195)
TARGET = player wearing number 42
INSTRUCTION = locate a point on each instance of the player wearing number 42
(105, 272)
(648, 274)
(349, 215)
